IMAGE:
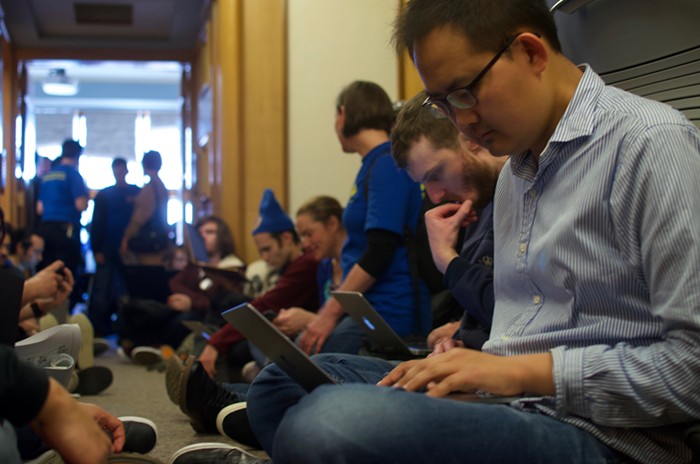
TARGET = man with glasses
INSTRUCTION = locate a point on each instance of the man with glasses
(596, 269)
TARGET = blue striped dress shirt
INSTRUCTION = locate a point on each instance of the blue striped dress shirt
(597, 261)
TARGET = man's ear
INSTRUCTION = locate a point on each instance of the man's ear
(536, 50)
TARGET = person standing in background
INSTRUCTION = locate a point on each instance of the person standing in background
(147, 235)
(62, 198)
(113, 208)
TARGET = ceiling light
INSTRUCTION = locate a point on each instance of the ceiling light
(59, 84)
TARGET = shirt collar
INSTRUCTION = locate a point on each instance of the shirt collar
(576, 122)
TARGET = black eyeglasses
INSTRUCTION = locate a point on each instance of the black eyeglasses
(463, 98)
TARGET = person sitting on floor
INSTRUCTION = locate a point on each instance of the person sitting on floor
(279, 245)
(596, 272)
(196, 295)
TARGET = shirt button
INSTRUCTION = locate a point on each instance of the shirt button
(532, 192)
(536, 299)
(523, 247)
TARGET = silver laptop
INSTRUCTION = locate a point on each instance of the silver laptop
(276, 346)
(294, 362)
(380, 334)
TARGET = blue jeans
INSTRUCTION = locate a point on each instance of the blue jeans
(360, 422)
(347, 337)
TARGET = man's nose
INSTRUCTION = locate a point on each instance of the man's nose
(434, 192)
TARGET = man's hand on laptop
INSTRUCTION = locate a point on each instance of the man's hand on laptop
(292, 321)
(446, 344)
(466, 370)
(442, 332)
(316, 333)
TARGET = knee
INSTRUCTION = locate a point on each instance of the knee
(329, 422)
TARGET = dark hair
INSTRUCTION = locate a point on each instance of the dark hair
(277, 236)
(322, 208)
(224, 237)
(367, 106)
(71, 149)
(118, 162)
(412, 123)
(19, 236)
(152, 160)
(487, 24)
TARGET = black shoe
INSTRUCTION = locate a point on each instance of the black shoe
(99, 346)
(232, 422)
(141, 434)
(201, 398)
(215, 453)
(93, 380)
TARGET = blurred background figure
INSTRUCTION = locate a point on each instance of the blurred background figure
(43, 165)
(113, 209)
(147, 237)
(62, 198)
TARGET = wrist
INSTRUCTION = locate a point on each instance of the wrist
(443, 260)
(331, 310)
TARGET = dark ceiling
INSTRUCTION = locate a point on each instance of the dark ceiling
(168, 26)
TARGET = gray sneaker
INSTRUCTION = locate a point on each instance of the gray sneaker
(215, 453)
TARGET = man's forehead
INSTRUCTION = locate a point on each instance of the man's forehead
(442, 60)
(422, 158)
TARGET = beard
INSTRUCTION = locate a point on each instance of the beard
(480, 180)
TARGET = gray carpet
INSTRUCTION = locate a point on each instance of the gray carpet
(137, 391)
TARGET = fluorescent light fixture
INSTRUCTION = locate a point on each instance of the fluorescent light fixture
(59, 84)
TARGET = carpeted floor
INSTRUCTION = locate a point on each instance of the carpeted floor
(136, 391)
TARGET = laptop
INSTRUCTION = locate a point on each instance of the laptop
(276, 346)
(295, 363)
(380, 334)
(11, 287)
(148, 282)
(195, 242)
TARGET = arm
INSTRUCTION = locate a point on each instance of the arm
(470, 280)
(144, 207)
(49, 284)
(321, 327)
(99, 223)
(656, 225)
(65, 427)
(81, 203)
(296, 287)
(186, 283)
(79, 190)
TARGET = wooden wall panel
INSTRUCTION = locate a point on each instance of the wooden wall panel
(247, 150)
(8, 194)
(409, 80)
(264, 112)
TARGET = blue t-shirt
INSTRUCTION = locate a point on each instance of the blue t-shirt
(391, 202)
(59, 190)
